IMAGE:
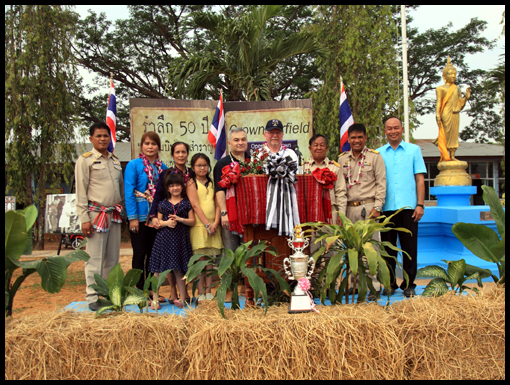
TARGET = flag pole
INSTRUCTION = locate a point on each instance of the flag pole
(404, 69)
(340, 103)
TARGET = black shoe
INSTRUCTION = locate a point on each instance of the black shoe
(95, 306)
(409, 292)
(385, 292)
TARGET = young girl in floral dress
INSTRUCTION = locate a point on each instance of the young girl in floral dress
(172, 247)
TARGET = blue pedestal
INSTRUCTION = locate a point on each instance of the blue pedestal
(457, 196)
(436, 240)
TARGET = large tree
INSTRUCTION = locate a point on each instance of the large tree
(360, 48)
(40, 102)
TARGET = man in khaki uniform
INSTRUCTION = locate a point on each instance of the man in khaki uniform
(318, 149)
(100, 197)
(365, 178)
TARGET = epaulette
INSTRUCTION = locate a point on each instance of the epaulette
(345, 152)
(333, 162)
(115, 156)
(87, 154)
(374, 151)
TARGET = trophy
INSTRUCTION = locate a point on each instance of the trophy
(297, 266)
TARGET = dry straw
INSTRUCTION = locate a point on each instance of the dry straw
(450, 337)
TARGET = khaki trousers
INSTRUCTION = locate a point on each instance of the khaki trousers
(354, 214)
(104, 251)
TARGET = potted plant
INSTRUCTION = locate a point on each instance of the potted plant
(352, 244)
(232, 267)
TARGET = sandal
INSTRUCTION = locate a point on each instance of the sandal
(161, 299)
(201, 298)
(152, 306)
(178, 303)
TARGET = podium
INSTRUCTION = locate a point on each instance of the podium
(314, 205)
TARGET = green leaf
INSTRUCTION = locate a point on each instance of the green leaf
(132, 277)
(433, 271)
(478, 239)
(456, 270)
(104, 309)
(436, 288)
(225, 282)
(196, 270)
(15, 234)
(133, 299)
(353, 260)
(332, 266)
(99, 290)
(193, 259)
(162, 277)
(30, 214)
(116, 275)
(383, 273)
(225, 263)
(75, 256)
(491, 199)
(147, 282)
(53, 272)
(101, 282)
(284, 286)
(257, 284)
(116, 294)
(371, 255)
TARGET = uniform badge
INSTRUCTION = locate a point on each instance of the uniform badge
(367, 163)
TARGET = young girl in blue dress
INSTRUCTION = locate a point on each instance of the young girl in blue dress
(172, 247)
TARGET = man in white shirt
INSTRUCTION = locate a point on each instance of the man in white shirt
(274, 138)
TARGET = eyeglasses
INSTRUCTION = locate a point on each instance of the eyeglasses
(201, 165)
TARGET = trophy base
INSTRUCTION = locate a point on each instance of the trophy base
(299, 304)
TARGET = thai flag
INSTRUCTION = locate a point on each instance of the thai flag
(217, 135)
(111, 117)
(346, 121)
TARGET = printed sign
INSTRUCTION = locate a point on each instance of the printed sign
(62, 214)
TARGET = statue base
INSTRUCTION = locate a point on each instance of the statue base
(452, 173)
(299, 303)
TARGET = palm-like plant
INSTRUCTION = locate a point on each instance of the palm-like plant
(241, 58)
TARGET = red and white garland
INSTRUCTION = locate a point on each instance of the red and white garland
(361, 164)
(149, 170)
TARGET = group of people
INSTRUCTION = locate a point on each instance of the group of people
(176, 212)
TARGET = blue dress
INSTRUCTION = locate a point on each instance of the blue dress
(172, 247)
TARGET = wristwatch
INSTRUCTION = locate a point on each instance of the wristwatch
(420, 206)
(223, 213)
(377, 208)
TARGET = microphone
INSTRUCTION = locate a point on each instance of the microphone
(296, 150)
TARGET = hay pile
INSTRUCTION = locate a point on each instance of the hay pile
(450, 337)
(66, 345)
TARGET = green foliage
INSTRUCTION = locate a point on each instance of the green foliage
(244, 55)
(53, 270)
(40, 101)
(360, 47)
(351, 243)
(458, 272)
(232, 267)
(119, 291)
(481, 240)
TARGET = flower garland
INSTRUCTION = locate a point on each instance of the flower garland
(150, 172)
(361, 164)
(305, 285)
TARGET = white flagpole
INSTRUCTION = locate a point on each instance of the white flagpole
(404, 69)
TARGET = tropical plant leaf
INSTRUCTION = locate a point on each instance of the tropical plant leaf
(99, 290)
(15, 234)
(162, 277)
(225, 284)
(383, 273)
(478, 239)
(318, 253)
(195, 270)
(101, 282)
(436, 288)
(284, 285)
(371, 255)
(353, 260)
(259, 288)
(116, 294)
(133, 299)
(498, 214)
(333, 264)
(499, 249)
(116, 275)
(132, 277)
(433, 271)
(225, 263)
(76, 255)
(456, 270)
(193, 259)
(53, 272)
(104, 309)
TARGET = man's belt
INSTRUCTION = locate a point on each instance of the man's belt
(359, 203)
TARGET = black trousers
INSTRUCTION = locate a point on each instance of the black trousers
(408, 243)
(142, 243)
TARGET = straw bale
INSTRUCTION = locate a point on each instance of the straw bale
(451, 337)
(67, 345)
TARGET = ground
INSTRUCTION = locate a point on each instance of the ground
(31, 298)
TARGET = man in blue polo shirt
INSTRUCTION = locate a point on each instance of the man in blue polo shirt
(405, 187)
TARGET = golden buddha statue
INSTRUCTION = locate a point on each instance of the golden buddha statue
(449, 104)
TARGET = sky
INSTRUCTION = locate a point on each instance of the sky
(424, 18)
